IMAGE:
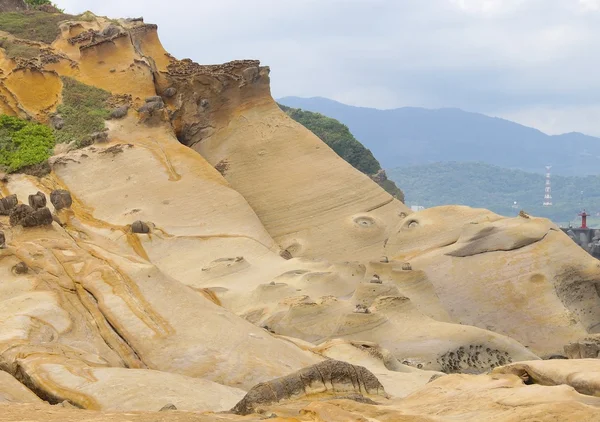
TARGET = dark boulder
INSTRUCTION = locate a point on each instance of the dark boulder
(119, 112)
(26, 216)
(37, 200)
(7, 204)
(111, 31)
(153, 112)
(61, 198)
(21, 268)
(57, 122)
(140, 227)
(2, 240)
(170, 92)
(40, 217)
(154, 99)
(151, 107)
(19, 213)
(168, 407)
(99, 137)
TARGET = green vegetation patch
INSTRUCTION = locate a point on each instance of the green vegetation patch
(339, 138)
(23, 143)
(38, 2)
(391, 188)
(84, 110)
(34, 25)
(16, 49)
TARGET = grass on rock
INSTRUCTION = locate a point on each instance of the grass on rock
(83, 110)
(16, 49)
(33, 25)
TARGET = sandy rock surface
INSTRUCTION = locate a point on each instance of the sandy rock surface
(206, 247)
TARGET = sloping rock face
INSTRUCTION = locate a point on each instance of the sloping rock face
(506, 275)
(581, 374)
(214, 111)
(205, 243)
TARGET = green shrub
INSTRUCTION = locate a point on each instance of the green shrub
(83, 110)
(37, 3)
(23, 143)
(33, 25)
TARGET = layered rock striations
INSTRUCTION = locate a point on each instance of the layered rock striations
(204, 250)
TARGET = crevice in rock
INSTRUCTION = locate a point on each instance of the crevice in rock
(24, 378)
(95, 317)
(376, 207)
(118, 336)
(455, 254)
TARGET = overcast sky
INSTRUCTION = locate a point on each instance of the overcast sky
(533, 61)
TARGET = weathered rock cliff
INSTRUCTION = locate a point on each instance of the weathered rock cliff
(205, 242)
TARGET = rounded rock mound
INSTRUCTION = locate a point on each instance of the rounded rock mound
(329, 376)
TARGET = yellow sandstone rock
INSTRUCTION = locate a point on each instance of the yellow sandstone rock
(260, 256)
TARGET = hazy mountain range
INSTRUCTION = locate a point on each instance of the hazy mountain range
(411, 136)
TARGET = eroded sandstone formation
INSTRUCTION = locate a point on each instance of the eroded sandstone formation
(330, 376)
(209, 249)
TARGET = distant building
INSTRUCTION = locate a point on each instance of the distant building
(417, 208)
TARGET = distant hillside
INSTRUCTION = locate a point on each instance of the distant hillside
(338, 137)
(495, 188)
(413, 136)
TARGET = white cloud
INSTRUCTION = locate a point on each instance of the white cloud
(488, 8)
(590, 4)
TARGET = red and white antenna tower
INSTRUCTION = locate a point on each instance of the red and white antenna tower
(548, 192)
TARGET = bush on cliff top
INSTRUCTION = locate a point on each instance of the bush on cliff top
(38, 2)
(83, 110)
(23, 143)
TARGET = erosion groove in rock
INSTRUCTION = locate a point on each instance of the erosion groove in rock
(330, 376)
(586, 348)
